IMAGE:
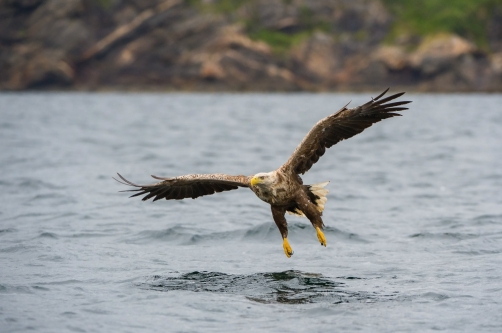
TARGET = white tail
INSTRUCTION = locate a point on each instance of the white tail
(319, 191)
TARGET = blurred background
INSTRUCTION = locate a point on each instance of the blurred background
(251, 45)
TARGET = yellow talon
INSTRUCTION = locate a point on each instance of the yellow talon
(287, 248)
(320, 236)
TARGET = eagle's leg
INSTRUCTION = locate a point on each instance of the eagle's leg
(310, 210)
(320, 236)
(278, 215)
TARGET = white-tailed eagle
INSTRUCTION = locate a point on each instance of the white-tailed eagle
(283, 188)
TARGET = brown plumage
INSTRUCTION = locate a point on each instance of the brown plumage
(188, 186)
(339, 126)
(283, 188)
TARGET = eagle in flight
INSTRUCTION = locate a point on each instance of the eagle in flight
(283, 188)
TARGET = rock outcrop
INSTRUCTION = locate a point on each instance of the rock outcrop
(179, 45)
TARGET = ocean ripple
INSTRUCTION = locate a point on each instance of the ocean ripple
(267, 232)
(287, 287)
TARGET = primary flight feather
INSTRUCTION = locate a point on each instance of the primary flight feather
(283, 188)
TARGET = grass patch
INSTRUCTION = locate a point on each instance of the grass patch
(218, 6)
(228, 6)
(105, 4)
(467, 18)
(280, 42)
(193, 3)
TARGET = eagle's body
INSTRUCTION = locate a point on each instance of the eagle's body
(283, 188)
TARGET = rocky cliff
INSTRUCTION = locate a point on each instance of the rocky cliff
(258, 45)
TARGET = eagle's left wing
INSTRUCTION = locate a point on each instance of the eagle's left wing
(340, 126)
(187, 186)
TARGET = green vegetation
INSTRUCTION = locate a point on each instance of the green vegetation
(467, 18)
(105, 4)
(279, 41)
(192, 2)
(218, 6)
(228, 6)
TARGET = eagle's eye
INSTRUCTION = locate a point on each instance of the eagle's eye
(262, 177)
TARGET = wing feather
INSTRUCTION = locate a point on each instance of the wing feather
(187, 186)
(339, 126)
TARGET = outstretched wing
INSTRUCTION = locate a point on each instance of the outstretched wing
(339, 126)
(188, 186)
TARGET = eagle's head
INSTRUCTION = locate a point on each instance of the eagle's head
(263, 179)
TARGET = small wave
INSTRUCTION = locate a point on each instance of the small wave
(287, 287)
(16, 248)
(36, 184)
(68, 314)
(479, 252)
(444, 235)
(7, 125)
(435, 296)
(441, 156)
(56, 198)
(52, 258)
(4, 183)
(59, 216)
(47, 196)
(89, 235)
(422, 185)
(40, 288)
(97, 311)
(376, 137)
(177, 234)
(150, 157)
(47, 235)
(25, 215)
(347, 197)
(6, 231)
(487, 219)
(426, 196)
(10, 289)
(265, 232)
(63, 282)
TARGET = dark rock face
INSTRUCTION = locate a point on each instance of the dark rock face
(170, 44)
(41, 41)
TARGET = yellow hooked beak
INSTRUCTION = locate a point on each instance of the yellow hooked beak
(255, 180)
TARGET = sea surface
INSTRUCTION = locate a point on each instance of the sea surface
(414, 216)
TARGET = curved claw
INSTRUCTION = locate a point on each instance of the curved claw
(320, 236)
(287, 248)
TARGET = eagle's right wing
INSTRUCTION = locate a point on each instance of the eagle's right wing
(188, 186)
(339, 126)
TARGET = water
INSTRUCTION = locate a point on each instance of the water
(414, 216)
